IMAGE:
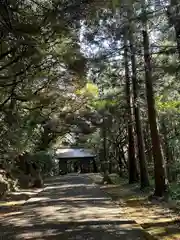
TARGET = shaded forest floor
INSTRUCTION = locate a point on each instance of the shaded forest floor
(70, 207)
(14, 200)
(159, 219)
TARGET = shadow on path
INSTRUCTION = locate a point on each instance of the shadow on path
(70, 207)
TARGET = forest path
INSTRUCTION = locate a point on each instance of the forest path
(70, 207)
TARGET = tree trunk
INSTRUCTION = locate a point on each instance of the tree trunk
(174, 18)
(133, 172)
(144, 179)
(119, 157)
(121, 149)
(161, 182)
(104, 135)
(148, 144)
(106, 177)
(167, 150)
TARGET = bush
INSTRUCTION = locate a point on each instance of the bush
(43, 161)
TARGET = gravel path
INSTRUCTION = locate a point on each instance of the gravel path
(71, 207)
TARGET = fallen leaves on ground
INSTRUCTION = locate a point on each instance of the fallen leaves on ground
(155, 217)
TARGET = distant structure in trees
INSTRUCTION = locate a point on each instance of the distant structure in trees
(76, 160)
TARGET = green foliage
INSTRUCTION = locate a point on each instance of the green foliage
(36, 65)
(115, 3)
(44, 161)
(50, 49)
(171, 105)
(89, 90)
(175, 191)
(103, 104)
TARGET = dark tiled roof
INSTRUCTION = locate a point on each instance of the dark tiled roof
(74, 153)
